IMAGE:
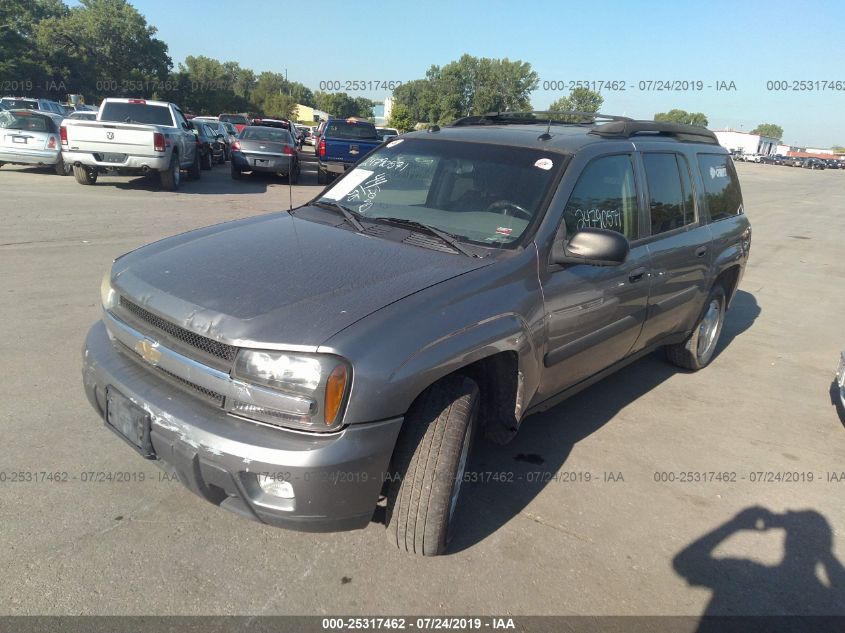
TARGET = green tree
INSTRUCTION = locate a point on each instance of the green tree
(579, 100)
(340, 104)
(683, 117)
(468, 86)
(22, 62)
(277, 106)
(103, 48)
(769, 129)
(400, 118)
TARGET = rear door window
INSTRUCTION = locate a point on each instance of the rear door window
(605, 197)
(721, 186)
(669, 191)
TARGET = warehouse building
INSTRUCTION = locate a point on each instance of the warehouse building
(747, 143)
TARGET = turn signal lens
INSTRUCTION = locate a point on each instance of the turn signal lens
(335, 389)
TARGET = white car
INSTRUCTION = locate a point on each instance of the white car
(840, 380)
(31, 137)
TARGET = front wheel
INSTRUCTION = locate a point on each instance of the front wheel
(194, 169)
(429, 464)
(697, 351)
(85, 175)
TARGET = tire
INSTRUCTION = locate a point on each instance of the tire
(194, 170)
(60, 168)
(172, 177)
(207, 161)
(428, 466)
(85, 175)
(293, 176)
(697, 351)
(237, 174)
(322, 177)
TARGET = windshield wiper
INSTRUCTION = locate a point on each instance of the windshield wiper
(450, 239)
(344, 211)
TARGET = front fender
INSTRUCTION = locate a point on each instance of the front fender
(400, 350)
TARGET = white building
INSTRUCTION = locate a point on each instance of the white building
(746, 142)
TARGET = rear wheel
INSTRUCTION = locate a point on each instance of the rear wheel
(207, 160)
(697, 351)
(85, 175)
(172, 176)
(293, 176)
(322, 177)
(237, 174)
(428, 466)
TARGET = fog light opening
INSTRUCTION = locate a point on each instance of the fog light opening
(273, 485)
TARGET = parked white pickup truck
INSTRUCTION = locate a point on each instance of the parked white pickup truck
(132, 136)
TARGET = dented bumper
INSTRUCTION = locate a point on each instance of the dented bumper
(335, 478)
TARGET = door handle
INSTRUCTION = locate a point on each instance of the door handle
(701, 251)
(636, 275)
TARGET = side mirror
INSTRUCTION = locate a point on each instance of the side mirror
(595, 247)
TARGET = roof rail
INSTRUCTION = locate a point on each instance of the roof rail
(629, 128)
(536, 116)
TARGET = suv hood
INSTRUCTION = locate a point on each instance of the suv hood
(277, 281)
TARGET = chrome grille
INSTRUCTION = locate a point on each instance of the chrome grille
(209, 395)
(202, 343)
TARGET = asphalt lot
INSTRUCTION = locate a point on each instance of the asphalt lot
(552, 547)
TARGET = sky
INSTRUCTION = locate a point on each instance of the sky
(747, 43)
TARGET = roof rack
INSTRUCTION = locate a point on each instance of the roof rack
(566, 117)
(629, 128)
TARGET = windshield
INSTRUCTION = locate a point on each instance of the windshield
(24, 121)
(351, 130)
(487, 194)
(122, 112)
(238, 119)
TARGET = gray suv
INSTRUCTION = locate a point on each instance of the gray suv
(295, 367)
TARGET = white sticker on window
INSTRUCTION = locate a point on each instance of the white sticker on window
(352, 180)
(544, 163)
(395, 143)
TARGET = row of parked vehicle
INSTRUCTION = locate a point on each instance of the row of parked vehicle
(136, 136)
(808, 162)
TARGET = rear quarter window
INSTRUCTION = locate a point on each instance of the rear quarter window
(721, 186)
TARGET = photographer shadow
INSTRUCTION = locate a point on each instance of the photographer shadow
(809, 580)
(502, 480)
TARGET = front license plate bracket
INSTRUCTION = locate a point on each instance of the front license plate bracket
(130, 422)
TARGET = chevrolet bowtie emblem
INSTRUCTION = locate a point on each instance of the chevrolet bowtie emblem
(149, 351)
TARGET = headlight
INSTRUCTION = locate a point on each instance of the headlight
(108, 295)
(314, 388)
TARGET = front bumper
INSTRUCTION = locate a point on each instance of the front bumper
(336, 477)
(21, 156)
(272, 163)
(154, 162)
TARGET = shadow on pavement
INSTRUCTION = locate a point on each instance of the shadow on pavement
(546, 439)
(809, 580)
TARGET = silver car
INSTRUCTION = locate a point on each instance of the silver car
(267, 149)
(28, 137)
(840, 380)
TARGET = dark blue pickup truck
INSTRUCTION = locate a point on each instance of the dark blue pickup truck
(342, 144)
